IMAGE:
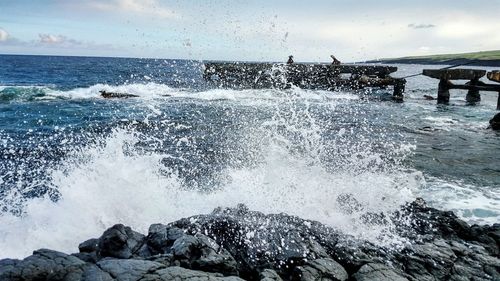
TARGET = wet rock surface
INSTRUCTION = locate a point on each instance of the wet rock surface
(239, 244)
(113, 95)
(495, 122)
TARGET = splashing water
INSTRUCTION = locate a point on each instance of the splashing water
(73, 163)
(280, 156)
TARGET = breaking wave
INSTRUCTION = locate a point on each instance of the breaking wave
(288, 161)
(149, 91)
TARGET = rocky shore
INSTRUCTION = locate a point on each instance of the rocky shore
(239, 244)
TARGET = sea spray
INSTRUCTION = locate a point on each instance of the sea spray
(273, 154)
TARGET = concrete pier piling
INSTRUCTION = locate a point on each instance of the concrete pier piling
(473, 95)
(399, 89)
(495, 77)
(473, 87)
(443, 91)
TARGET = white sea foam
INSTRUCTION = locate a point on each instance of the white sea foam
(472, 203)
(3, 87)
(154, 90)
(145, 90)
(442, 122)
(111, 186)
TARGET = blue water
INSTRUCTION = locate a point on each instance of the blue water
(70, 157)
(66, 73)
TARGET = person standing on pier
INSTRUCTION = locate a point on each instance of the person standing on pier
(290, 59)
(335, 60)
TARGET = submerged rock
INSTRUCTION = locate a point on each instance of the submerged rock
(239, 244)
(113, 95)
(495, 122)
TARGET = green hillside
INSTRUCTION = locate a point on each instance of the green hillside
(486, 55)
(485, 58)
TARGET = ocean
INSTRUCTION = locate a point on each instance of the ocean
(73, 163)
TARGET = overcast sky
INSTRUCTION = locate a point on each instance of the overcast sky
(248, 30)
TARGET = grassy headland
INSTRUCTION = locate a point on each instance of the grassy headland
(485, 58)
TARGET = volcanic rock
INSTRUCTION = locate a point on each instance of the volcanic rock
(113, 95)
(239, 244)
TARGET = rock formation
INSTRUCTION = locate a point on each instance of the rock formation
(239, 244)
(113, 95)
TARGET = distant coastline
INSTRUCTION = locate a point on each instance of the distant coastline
(486, 58)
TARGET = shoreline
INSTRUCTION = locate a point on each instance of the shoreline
(239, 244)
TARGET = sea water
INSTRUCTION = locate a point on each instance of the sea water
(73, 163)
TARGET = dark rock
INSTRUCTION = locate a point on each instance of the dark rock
(165, 259)
(94, 273)
(495, 122)
(182, 274)
(254, 246)
(186, 248)
(89, 246)
(111, 95)
(9, 268)
(161, 238)
(321, 269)
(269, 275)
(282, 242)
(431, 260)
(87, 257)
(120, 242)
(202, 253)
(43, 265)
(417, 218)
(379, 272)
(88, 251)
(128, 270)
(257, 241)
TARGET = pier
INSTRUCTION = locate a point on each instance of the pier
(474, 86)
(332, 77)
(302, 75)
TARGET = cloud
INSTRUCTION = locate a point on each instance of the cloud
(47, 42)
(61, 41)
(4, 35)
(421, 26)
(465, 26)
(136, 7)
(51, 39)
(7, 40)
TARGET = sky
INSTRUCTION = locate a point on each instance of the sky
(248, 30)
